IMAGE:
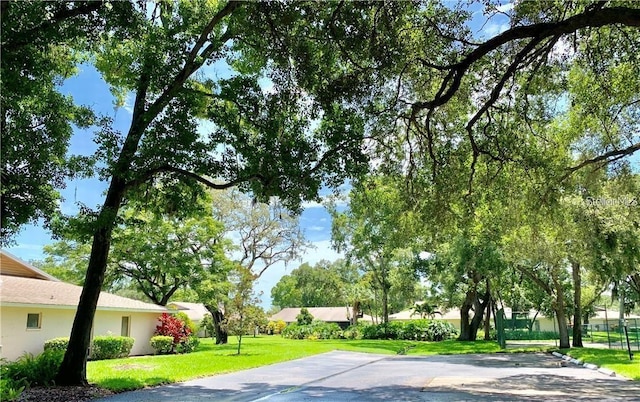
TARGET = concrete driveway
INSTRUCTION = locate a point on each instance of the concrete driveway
(348, 376)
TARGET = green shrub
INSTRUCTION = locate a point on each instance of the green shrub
(353, 332)
(276, 327)
(162, 344)
(305, 317)
(207, 325)
(110, 347)
(9, 390)
(30, 370)
(188, 345)
(182, 316)
(440, 330)
(414, 330)
(57, 344)
(317, 330)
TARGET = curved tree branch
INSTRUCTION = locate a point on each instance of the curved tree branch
(593, 18)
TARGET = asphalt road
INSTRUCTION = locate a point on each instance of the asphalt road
(348, 376)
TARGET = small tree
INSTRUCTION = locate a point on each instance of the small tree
(240, 318)
(305, 317)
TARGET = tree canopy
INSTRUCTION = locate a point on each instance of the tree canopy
(456, 126)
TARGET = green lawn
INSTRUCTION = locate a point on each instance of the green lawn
(138, 372)
(616, 360)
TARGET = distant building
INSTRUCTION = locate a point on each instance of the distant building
(340, 315)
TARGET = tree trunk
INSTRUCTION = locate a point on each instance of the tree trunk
(222, 336)
(385, 305)
(466, 333)
(73, 370)
(563, 330)
(561, 316)
(487, 323)
(577, 305)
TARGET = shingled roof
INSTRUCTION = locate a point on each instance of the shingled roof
(18, 291)
(195, 311)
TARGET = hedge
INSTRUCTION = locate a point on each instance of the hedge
(111, 347)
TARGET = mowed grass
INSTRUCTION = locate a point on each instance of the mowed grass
(210, 359)
(138, 372)
(612, 359)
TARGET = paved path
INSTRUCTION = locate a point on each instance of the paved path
(348, 376)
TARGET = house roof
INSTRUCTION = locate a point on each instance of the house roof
(327, 314)
(195, 311)
(18, 291)
(13, 266)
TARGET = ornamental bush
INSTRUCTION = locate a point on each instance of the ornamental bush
(110, 347)
(414, 330)
(162, 344)
(188, 345)
(276, 327)
(174, 327)
(57, 344)
(184, 340)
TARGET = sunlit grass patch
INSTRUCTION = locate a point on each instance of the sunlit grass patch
(612, 359)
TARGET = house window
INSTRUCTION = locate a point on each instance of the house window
(124, 327)
(33, 321)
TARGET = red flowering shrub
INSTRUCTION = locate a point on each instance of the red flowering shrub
(173, 327)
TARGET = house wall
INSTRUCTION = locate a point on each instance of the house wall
(16, 339)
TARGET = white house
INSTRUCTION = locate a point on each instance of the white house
(35, 307)
(195, 312)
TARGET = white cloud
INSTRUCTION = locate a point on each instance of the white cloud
(504, 8)
(317, 228)
(492, 29)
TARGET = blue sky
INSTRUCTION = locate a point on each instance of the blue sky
(88, 88)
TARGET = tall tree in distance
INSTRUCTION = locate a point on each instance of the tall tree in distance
(263, 235)
(373, 232)
(321, 285)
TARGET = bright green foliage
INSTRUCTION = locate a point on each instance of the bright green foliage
(324, 284)
(110, 347)
(314, 330)
(9, 390)
(30, 371)
(276, 327)
(59, 344)
(242, 314)
(182, 316)
(42, 44)
(67, 261)
(375, 233)
(305, 317)
(188, 345)
(416, 330)
(162, 253)
(162, 344)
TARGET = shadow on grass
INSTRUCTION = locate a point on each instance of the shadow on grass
(123, 384)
